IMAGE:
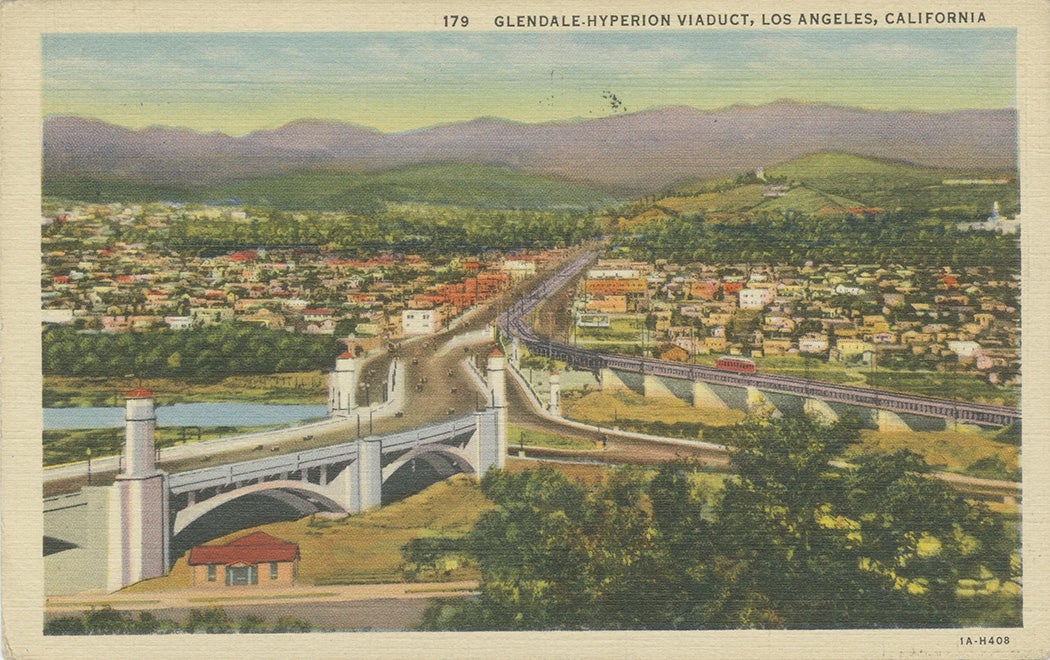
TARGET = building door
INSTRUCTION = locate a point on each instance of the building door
(241, 575)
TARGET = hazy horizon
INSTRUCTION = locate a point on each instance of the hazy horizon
(237, 83)
(566, 120)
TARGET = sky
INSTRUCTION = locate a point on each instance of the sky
(239, 82)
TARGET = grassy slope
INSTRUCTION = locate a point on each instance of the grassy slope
(837, 179)
(891, 184)
(363, 548)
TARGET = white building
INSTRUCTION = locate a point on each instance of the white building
(612, 274)
(755, 298)
(178, 322)
(964, 349)
(813, 343)
(519, 268)
(416, 322)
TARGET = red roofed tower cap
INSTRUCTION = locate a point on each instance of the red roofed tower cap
(346, 354)
(496, 352)
(139, 393)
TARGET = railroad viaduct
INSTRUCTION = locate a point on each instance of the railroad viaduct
(717, 388)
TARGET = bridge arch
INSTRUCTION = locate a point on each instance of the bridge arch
(454, 455)
(303, 490)
(280, 500)
(420, 468)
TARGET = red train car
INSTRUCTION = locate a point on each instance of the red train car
(742, 365)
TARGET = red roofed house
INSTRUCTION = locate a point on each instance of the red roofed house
(257, 558)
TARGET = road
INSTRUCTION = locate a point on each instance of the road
(397, 606)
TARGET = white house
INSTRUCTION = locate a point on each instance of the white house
(416, 322)
(964, 349)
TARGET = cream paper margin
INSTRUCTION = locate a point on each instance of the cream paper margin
(21, 591)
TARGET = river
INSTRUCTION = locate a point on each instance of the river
(187, 414)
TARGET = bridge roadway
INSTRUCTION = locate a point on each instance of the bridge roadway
(513, 322)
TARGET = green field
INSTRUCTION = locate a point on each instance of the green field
(621, 329)
(71, 445)
(628, 410)
(529, 437)
(976, 453)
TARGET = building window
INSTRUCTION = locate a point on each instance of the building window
(273, 570)
(211, 572)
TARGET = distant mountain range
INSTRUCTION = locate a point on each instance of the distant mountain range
(623, 154)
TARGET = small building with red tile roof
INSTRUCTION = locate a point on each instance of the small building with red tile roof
(255, 559)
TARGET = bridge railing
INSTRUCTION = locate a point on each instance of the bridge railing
(224, 475)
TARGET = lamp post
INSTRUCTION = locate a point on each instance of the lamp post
(369, 421)
(89, 465)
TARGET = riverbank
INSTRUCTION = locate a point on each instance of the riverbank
(305, 387)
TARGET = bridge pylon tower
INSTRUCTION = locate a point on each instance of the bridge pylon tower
(139, 528)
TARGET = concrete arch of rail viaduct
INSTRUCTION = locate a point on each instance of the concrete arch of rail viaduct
(293, 493)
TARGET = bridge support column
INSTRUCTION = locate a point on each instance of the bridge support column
(820, 409)
(369, 474)
(758, 402)
(139, 528)
(497, 383)
(554, 405)
(653, 387)
(704, 396)
(342, 385)
(483, 448)
(610, 381)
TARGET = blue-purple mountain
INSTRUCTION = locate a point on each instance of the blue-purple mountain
(632, 153)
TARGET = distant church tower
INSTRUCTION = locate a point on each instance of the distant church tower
(138, 501)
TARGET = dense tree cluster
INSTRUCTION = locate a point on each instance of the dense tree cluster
(201, 353)
(426, 231)
(883, 239)
(790, 542)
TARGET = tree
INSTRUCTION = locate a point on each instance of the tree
(210, 620)
(793, 542)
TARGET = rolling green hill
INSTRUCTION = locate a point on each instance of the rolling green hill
(897, 185)
(822, 182)
(479, 186)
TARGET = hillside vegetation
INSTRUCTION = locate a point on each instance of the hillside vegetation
(829, 182)
(479, 186)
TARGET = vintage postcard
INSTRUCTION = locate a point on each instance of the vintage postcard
(524, 329)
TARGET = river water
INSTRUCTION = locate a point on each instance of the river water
(187, 414)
